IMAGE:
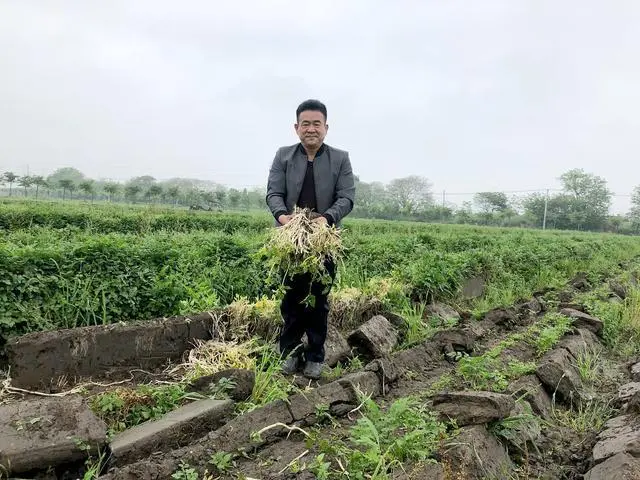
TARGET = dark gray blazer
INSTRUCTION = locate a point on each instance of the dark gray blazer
(334, 182)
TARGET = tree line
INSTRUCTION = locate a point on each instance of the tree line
(583, 203)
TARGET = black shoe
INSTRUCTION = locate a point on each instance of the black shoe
(291, 365)
(312, 370)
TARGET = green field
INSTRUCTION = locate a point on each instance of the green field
(71, 264)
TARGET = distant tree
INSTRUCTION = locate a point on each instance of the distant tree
(634, 213)
(491, 202)
(234, 197)
(25, 182)
(111, 189)
(208, 198)
(39, 181)
(144, 182)
(10, 178)
(465, 213)
(66, 173)
(154, 191)
(615, 223)
(88, 188)
(371, 198)
(173, 193)
(220, 197)
(588, 199)
(583, 204)
(131, 191)
(410, 194)
(66, 185)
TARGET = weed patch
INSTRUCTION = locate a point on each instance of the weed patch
(123, 408)
(380, 442)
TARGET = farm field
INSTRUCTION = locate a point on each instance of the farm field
(513, 341)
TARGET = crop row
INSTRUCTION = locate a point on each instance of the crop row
(61, 275)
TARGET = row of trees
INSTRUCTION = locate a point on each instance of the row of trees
(583, 203)
(67, 183)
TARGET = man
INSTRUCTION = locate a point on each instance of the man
(312, 175)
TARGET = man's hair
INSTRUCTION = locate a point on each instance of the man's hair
(314, 105)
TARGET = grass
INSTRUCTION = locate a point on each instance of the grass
(588, 416)
(546, 334)
(621, 321)
(73, 265)
(380, 442)
(125, 407)
(589, 364)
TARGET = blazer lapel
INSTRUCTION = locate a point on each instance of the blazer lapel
(299, 163)
(322, 180)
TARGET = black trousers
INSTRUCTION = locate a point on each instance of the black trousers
(300, 318)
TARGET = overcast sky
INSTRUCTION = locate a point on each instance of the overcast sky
(474, 95)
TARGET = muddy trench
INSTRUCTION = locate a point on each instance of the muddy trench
(544, 419)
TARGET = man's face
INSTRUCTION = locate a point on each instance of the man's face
(311, 128)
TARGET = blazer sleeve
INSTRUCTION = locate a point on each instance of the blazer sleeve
(344, 193)
(276, 187)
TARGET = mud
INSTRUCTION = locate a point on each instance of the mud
(538, 448)
(43, 360)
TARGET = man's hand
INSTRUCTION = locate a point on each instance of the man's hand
(322, 220)
(284, 219)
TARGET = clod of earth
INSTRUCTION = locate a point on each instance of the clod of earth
(502, 316)
(531, 307)
(531, 390)
(473, 408)
(39, 359)
(47, 433)
(618, 289)
(621, 466)
(362, 383)
(386, 370)
(237, 383)
(557, 373)
(584, 342)
(627, 391)
(305, 404)
(454, 340)
(521, 429)
(621, 435)
(476, 454)
(584, 320)
(173, 430)
(430, 471)
(580, 282)
(444, 314)
(376, 338)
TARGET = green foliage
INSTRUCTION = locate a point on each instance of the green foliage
(123, 408)
(521, 429)
(549, 332)
(270, 384)
(517, 369)
(483, 373)
(417, 330)
(381, 440)
(223, 461)
(588, 416)
(69, 265)
(589, 363)
(320, 468)
(185, 472)
(621, 322)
